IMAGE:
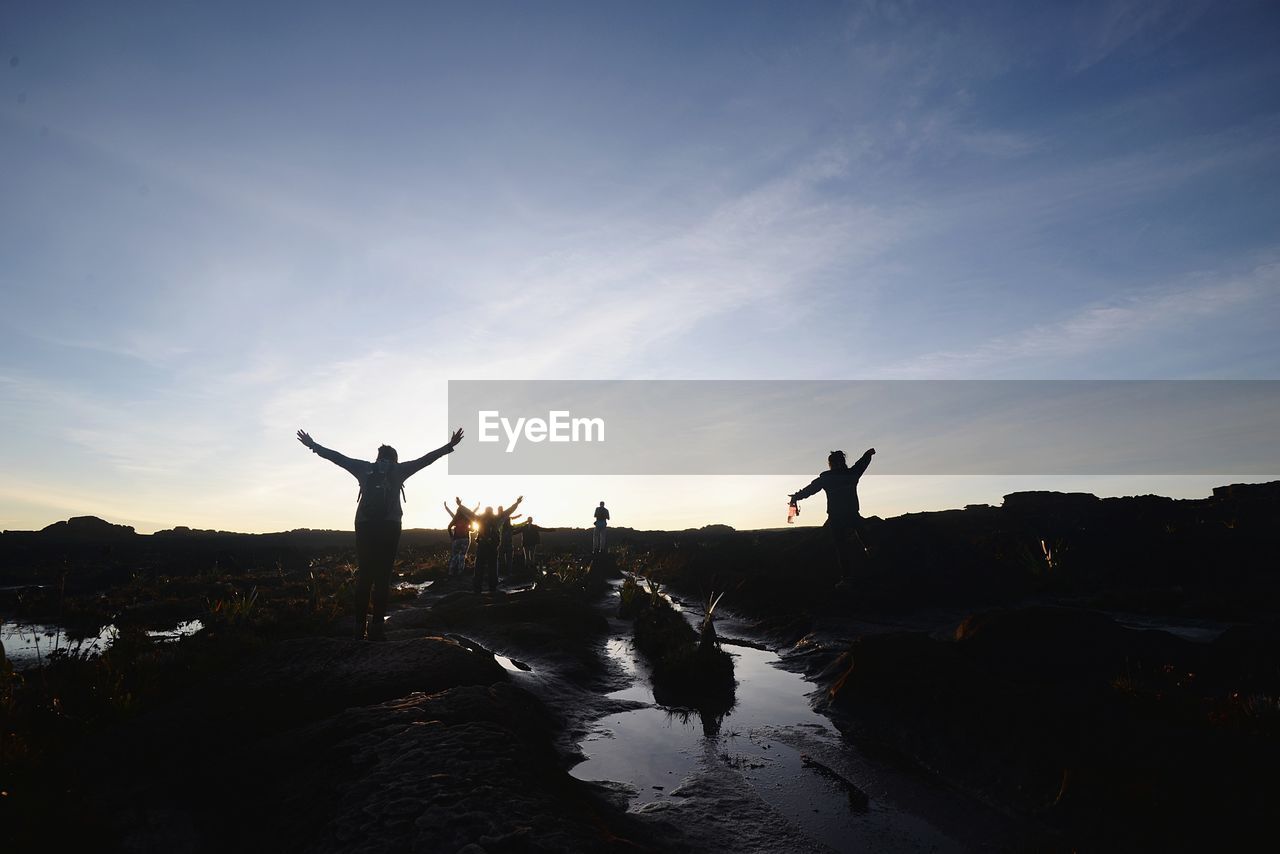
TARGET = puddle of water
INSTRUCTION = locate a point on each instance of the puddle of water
(182, 630)
(622, 652)
(1197, 631)
(654, 750)
(418, 586)
(658, 746)
(512, 665)
(29, 645)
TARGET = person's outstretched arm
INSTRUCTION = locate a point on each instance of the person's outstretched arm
(353, 466)
(414, 466)
(865, 460)
(812, 489)
(513, 507)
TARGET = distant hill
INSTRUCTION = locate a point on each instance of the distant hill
(87, 528)
(1034, 506)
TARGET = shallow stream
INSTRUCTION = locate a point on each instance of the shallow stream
(801, 772)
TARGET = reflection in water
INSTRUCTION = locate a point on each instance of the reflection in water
(772, 742)
(654, 748)
(711, 720)
(28, 645)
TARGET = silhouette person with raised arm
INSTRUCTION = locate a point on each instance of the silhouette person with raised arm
(487, 542)
(506, 543)
(459, 536)
(844, 522)
(378, 516)
(530, 539)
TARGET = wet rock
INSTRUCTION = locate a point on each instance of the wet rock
(858, 800)
(340, 745)
(717, 810)
(1060, 644)
(463, 769)
(1101, 731)
(334, 673)
(785, 629)
(529, 615)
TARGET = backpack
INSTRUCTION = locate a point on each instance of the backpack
(490, 530)
(381, 487)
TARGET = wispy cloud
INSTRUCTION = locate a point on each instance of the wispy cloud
(156, 437)
(1140, 26)
(1053, 348)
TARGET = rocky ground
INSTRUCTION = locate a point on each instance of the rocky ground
(422, 743)
(1036, 662)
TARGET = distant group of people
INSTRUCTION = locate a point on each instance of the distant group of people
(379, 514)
(493, 535)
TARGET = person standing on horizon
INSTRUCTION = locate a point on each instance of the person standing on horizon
(844, 521)
(598, 535)
(378, 519)
(530, 538)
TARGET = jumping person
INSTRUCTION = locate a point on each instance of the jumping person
(598, 535)
(378, 515)
(844, 522)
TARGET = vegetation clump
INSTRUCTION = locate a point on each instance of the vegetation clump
(689, 667)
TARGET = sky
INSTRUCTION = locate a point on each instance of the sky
(220, 223)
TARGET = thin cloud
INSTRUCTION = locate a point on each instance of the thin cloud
(1140, 26)
(1097, 329)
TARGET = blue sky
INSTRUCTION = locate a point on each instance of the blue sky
(222, 222)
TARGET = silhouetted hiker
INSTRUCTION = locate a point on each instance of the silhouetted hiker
(486, 565)
(459, 536)
(505, 545)
(530, 537)
(598, 535)
(487, 541)
(378, 515)
(844, 522)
